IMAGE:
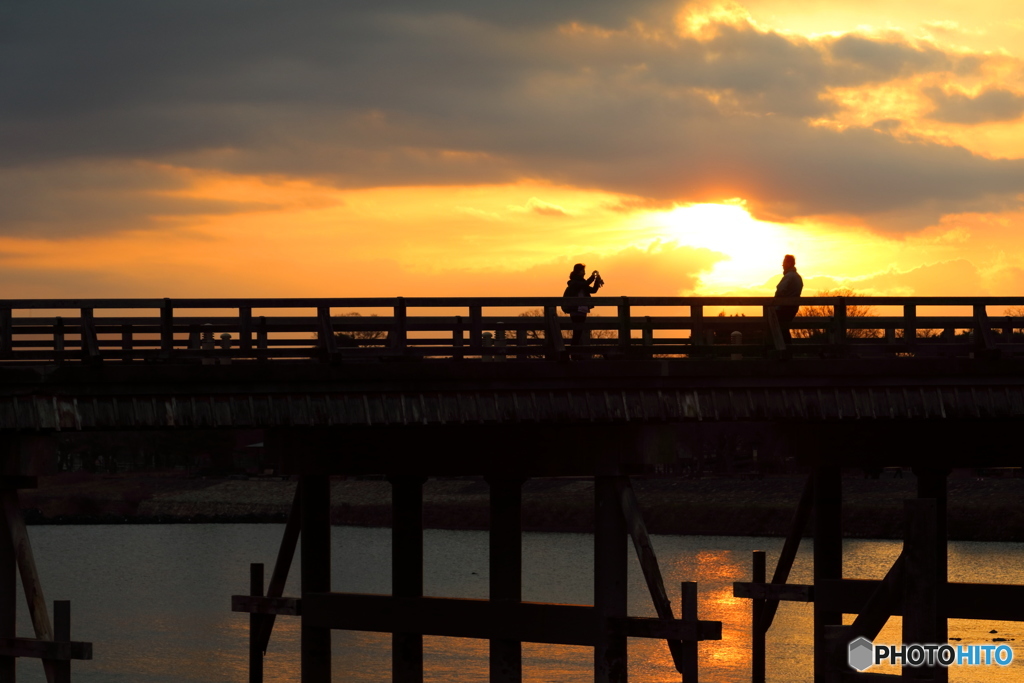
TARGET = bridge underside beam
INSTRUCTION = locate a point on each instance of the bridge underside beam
(591, 449)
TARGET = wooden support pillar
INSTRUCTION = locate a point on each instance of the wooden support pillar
(8, 599)
(62, 634)
(932, 484)
(610, 568)
(407, 571)
(921, 583)
(506, 569)
(828, 555)
(255, 625)
(316, 573)
(688, 612)
(757, 633)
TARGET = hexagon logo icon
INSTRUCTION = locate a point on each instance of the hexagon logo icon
(860, 654)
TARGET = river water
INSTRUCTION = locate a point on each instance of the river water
(155, 602)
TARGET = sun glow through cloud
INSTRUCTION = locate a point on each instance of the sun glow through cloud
(753, 247)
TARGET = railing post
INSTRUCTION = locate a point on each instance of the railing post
(775, 340)
(58, 339)
(245, 329)
(457, 341)
(328, 342)
(87, 333)
(127, 343)
(255, 624)
(555, 343)
(476, 328)
(624, 324)
(839, 318)
(757, 632)
(261, 337)
(166, 328)
(648, 333)
(399, 340)
(499, 341)
(697, 335)
(909, 324)
(984, 339)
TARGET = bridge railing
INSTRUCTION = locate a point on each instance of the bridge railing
(238, 330)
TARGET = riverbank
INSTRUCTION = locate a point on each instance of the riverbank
(980, 508)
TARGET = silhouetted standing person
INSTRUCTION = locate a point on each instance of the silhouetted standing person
(580, 286)
(790, 286)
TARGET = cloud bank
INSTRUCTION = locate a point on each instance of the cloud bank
(619, 97)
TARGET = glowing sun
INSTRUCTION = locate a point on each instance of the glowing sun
(755, 248)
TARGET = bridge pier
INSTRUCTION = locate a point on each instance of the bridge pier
(828, 557)
(407, 571)
(316, 574)
(506, 568)
(925, 617)
(610, 577)
(8, 601)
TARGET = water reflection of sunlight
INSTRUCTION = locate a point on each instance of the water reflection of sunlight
(189, 637)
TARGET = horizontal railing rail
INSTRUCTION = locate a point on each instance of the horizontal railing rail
(216, 331)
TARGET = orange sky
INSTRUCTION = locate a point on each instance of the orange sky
(444, 149)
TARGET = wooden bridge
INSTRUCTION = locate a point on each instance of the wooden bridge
(526, 327)
(411, 388)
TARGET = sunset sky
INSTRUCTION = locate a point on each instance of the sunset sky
(211, 148)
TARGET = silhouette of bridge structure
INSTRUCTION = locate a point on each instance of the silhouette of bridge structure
(420, 387)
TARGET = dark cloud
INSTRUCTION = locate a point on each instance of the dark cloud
(79, 199)
(992, 104)
(883, 60)
(365, 94)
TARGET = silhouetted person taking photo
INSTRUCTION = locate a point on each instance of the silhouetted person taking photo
(790, 286)
(579, 285)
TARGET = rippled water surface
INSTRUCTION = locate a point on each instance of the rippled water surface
(155, 601)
